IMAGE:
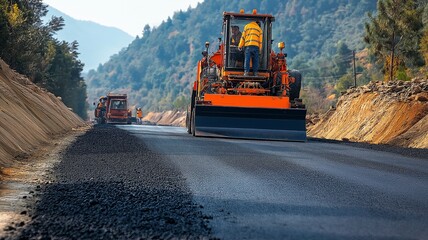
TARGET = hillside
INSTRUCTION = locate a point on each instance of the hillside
(156, 70)
(393, 113)
(97, 43)
(30, 117)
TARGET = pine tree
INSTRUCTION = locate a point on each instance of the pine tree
(342, 59)
(424, 40)
(393, 35)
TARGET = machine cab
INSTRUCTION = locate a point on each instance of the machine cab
(233, 26)
(118, 104)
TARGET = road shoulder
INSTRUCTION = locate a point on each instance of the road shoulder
(20, 183)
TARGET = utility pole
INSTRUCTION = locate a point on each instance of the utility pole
(355, 70)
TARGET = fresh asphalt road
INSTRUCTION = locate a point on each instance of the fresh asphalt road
(292, 190)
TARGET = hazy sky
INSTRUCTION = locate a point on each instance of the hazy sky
(129, 15)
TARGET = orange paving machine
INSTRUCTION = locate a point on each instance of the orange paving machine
(227, 103)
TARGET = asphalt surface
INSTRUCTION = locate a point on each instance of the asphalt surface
(109, 185)
(288, 190)
(152, 182)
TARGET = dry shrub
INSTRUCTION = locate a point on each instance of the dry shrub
(317, 100)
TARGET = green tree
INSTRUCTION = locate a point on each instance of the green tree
(65, 79)
(425, 14)
(28, 46)
(342, 59)
(424, 39)
(146, 31)
(393, 34)
(424, 46)
(344, 83)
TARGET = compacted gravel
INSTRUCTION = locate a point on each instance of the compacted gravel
(111, 186)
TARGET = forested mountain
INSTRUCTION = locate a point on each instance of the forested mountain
(28, 45)
(96, 42)
(156, 70)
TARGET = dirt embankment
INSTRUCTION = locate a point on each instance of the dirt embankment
(169, 118)
(382, 113)
(30, 116)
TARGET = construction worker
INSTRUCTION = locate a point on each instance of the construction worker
(100, 106)
(139, 116)
(100, 110)
(236, 36)
(251, 39)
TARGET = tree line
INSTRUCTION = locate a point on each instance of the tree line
(397, 38)
(28, 45)
(394, 47)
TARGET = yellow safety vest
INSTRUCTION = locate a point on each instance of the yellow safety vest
(139, 113)
(252, 36)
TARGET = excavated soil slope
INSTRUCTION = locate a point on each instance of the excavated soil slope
(169, 118)
(29, 116)
(382, 113)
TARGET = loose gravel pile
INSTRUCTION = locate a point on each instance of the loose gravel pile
(111, 186)
(404, 91)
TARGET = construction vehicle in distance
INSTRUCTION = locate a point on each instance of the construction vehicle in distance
(225, 103)
(113, 109)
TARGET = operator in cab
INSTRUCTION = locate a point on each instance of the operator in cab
(236, 36)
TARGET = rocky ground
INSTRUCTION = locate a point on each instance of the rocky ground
(116, 189)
